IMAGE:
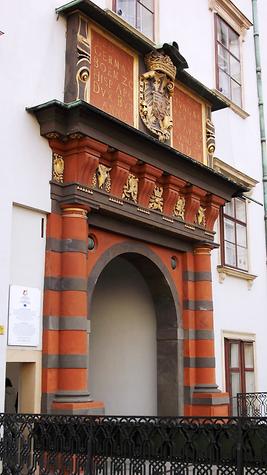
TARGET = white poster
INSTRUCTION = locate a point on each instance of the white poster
(24, 316)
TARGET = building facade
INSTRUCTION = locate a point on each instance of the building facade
(133, 259)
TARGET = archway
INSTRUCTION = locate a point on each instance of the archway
(154, 360)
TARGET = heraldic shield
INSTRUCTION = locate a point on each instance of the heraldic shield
(156, 89)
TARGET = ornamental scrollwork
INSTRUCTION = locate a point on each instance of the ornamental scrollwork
(156, 199)
(58, 168)
(101, 178)
(83, 60)
(201, 216)
(130, 190)
(179, 209)
(210, 137)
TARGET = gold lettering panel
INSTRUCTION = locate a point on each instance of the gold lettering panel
(112, 78)
(187, 124)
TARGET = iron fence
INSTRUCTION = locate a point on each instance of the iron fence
(252, 404)
(106, 445)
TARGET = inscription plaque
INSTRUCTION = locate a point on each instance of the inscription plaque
(112, 78)
(187, 125)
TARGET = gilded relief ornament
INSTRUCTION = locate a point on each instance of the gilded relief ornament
(101, 178)
(156, 199)
(156, 90)
(58, 168)
(130, 190)
(200, 216)
(83, 60)
(179, 208)
(210, 137)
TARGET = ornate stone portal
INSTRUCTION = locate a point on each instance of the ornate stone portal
(156, 89)
(113, 183)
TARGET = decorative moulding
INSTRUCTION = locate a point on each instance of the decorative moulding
(231, 14)
(229, 271)
(234, 174)
(234, 107)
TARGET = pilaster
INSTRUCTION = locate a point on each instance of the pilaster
(203, 396)
(65, 357)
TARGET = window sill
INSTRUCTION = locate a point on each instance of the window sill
(224, 271)
(238, 110)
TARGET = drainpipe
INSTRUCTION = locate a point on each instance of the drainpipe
(261, 109)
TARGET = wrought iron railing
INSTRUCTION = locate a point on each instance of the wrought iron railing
(252, 404)
(103, 445)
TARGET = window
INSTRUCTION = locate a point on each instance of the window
(234, 235)
(139, 13)
(239, 369)
(228, 63)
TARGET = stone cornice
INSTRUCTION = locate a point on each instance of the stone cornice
(239, 177)
(65, 121)
(234, 17)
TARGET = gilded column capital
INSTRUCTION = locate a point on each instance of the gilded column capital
(204, 250)
(75, 211)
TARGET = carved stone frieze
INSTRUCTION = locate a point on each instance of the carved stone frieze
(156, 199)
(156, 89)
(130, 190)
(58, 168)
(101, 178)
(179, 208)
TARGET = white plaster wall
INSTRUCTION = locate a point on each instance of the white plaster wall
(262, 15)
(122, 361)
(238, 143)
(32, 52)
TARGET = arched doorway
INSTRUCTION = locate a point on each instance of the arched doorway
(135, 355)
(123, 353)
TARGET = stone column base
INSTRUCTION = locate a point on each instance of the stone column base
(69, 403)
(208, 401)
(78, 408)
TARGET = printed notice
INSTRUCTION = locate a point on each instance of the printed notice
(24, 316)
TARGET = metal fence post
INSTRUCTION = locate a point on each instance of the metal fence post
(239, 451)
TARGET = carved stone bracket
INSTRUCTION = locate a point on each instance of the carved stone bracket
(82, 159)
(193, 198)
(213, 204)
(172, 187)
(121, 164)
(148, 176)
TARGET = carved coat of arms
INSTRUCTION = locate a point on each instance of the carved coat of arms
(156, 89)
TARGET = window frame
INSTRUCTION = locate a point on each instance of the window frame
(140, 2)
(223, 239)
(218, 18)
(242, 369)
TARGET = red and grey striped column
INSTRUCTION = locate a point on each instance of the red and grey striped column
(65, 342)
(203, 398)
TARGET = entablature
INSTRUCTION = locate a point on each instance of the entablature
(128, 175)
